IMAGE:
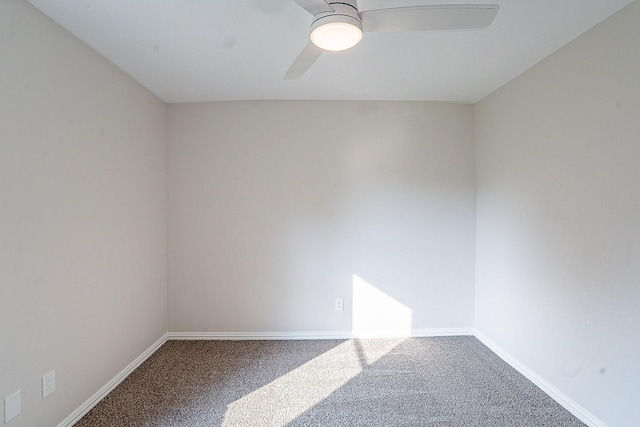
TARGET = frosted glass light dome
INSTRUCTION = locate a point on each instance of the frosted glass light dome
(336, 36)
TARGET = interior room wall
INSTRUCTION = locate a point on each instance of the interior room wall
(82, 217)
(275, 209)
(558, 219)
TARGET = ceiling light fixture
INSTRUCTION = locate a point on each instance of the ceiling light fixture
(336, 36)
(338, 30)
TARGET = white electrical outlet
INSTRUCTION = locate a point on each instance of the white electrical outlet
(339, 304)
(12, 406)
(48, 384)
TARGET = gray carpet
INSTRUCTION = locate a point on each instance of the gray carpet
(443, 381)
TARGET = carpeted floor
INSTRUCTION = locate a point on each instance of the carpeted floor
(442, 381)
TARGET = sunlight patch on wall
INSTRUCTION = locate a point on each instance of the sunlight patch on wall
(299, 390)
(376, 314)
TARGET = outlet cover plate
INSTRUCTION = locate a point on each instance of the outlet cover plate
(12, 406)
(48, 384)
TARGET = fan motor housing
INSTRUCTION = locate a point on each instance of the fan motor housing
(344, 11)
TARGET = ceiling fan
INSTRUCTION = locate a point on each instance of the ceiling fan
(338, 24)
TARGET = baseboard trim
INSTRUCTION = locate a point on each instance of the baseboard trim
(82, 410)
(565, 401)
(318, 335)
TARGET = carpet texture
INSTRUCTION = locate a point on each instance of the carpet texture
(442, 381)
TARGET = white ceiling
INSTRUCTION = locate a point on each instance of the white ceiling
(206, 50)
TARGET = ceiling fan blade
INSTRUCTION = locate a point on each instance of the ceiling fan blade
(430, 18)
(303, 62)
(314, 6)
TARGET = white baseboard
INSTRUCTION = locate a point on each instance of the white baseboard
(318, 335)
(82, 410)
(565, 401)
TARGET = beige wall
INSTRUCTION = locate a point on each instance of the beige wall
(275, 206)
(558, 218)
(82, 216)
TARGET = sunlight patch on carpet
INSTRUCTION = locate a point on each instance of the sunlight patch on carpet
(301, 389)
